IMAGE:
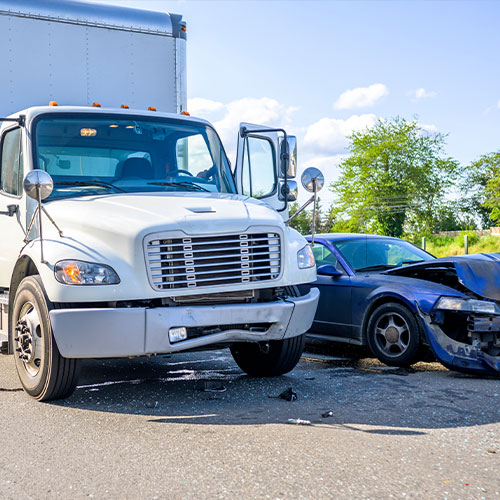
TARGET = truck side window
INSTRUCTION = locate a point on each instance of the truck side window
(259, 172)
(11, 163)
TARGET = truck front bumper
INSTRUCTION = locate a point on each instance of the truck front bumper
(110, 333)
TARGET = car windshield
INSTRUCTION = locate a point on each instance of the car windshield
(378, 254)
(101, 155)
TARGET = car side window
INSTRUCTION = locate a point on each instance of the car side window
(11, 166)
(324, 255)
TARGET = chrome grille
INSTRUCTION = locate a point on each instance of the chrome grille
(177, 263)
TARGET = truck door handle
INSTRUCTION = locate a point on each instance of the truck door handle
(11, 210)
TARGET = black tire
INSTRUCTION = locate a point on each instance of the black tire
(273, 358)
(269, 359)
(393, 335)
(44, 373)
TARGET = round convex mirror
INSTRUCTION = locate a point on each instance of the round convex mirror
(311, 178)
(38, 179)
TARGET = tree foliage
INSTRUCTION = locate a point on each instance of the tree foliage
(395, 179)
(481, 189)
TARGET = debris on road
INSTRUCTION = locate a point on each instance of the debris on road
(299, 421)
(287, 395)
(327, 414)
(210, 386)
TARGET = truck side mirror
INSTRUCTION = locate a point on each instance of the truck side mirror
(288, 156)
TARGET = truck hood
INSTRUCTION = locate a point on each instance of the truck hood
(140, 213)
(479, 274)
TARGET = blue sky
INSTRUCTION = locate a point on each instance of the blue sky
(291, 63)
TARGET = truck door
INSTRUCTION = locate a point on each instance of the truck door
(259, 163)
(12, 202)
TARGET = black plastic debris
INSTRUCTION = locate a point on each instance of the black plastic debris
(287, 395)
(210, 386)
(327, 414)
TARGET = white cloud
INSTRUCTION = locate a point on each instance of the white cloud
(201, 106)
(421, 93)
(432, 129)
(261, 111)
(329, 135)
(361, 96)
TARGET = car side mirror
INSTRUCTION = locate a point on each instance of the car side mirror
(328, 270)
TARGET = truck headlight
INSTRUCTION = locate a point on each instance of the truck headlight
(467, 305)
(77, 272)
(305, 258)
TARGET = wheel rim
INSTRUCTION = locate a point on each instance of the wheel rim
(28, 339)
(392, 335)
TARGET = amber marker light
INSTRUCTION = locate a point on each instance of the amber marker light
(53, 103)
(151, 108)
(185, 113)
(113, 126)
(96, 105)
(125, 106)
(71, 273)
(88, 132)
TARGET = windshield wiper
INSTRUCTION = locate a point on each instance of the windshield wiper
(377, 267)
(191, 185)
(90, 183)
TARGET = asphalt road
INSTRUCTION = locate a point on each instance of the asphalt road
(147, 428)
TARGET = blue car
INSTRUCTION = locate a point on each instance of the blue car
(395, 298)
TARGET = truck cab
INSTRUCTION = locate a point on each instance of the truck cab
(124, 232)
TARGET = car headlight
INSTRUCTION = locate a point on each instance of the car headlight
(467, 305)
(305, 258)
(77, 272)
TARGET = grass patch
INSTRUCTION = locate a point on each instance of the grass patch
(444, 246)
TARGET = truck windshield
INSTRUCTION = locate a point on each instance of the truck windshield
(102, 155)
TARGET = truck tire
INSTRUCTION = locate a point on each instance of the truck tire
(44, 373)
(269, 359)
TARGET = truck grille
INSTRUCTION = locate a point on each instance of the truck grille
(179, 263)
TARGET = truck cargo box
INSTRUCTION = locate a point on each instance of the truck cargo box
(75, 53)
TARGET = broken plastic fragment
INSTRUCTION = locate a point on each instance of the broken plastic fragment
(327, 414)
(298, 421)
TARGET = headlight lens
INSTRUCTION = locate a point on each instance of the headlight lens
(305, 258)
(467, 305)
(76, 272)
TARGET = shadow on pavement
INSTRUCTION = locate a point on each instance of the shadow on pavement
(209, 389)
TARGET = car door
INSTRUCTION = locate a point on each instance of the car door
(333, 316)
(12, 202)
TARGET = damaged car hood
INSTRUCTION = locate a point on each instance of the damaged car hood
(479, 273)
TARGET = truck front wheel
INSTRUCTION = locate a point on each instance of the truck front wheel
(43, 372)
(269, 359)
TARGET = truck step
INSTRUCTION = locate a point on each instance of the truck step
(4, 316)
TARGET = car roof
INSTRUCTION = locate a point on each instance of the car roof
(350, 236)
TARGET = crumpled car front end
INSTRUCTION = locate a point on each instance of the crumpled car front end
(464, 334)
(463, 330)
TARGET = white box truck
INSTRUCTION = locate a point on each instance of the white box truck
(123, 230)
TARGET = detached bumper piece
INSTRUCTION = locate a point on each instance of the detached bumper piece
(463, 357)
(108, 333)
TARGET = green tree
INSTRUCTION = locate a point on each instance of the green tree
(394, 179)
(479, 188)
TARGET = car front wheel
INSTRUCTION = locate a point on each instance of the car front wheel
(393, 335)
